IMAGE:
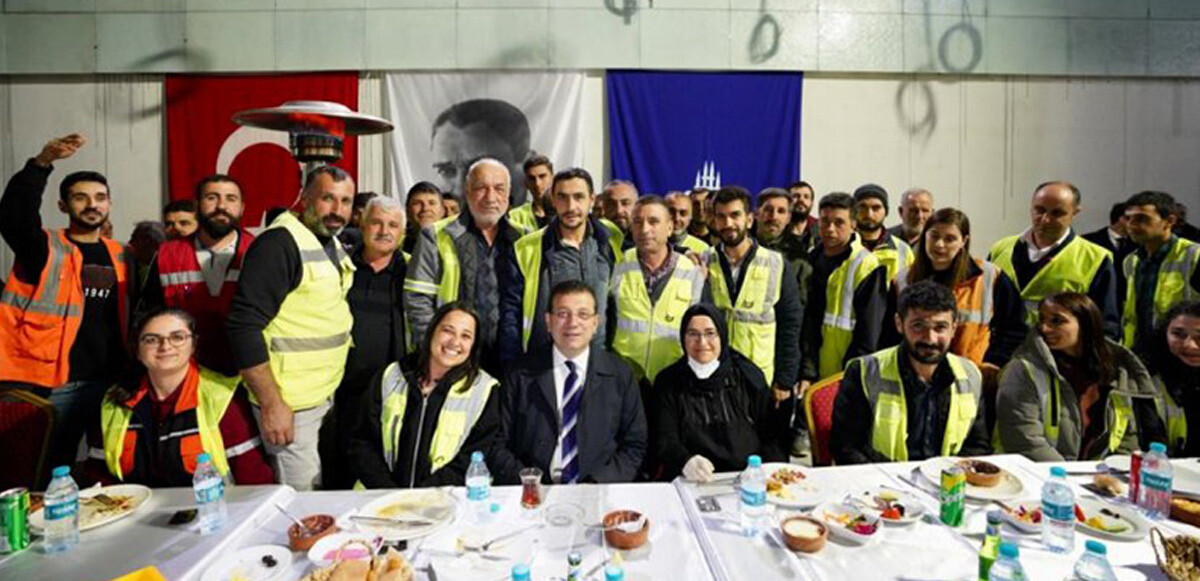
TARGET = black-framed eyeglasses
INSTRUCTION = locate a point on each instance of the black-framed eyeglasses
(176, 339)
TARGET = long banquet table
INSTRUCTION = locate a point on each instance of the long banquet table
(684, 543)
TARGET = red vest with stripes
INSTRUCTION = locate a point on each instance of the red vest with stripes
(183, 288)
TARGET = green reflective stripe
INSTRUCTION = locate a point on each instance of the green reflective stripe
(40, 307)
(1172, 415)
(300, 344)
(1049, 416)
(1121, 416)
(179, 278)
(844, 318)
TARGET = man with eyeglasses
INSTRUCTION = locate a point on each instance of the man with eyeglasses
(543, 423)
(573, 246)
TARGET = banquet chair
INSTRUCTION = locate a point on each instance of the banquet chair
(818, 408)
(26, 425)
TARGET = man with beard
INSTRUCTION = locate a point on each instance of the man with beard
(574, 246)
(756, 289)
(681, 216)
(425, 206)
(63, 309)
(289, 324)
(200, 273)
(456, 259)
(870, 209)
(619, 196)
(1050, 258)
(179, 219)
(378, 331)
(916, 400)
(536, 211)
(803, 225)
(701, 215)
(916, 206)
(1163, 271)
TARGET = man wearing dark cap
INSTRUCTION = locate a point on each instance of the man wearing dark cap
(870, 208)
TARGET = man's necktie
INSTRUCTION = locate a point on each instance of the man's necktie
(572, 398)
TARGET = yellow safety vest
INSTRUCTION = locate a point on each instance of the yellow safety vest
(837, 326)
(528, 251)
(213, 395)
(1119, 413)
(751, 319)
(614, 232)
(1173, 286)
(459, 413)
(310, 335)
(647, 334)
(1172, 415)
(880, 378)
(1071, 270)
(522, 218)
(694, 244)
(897, 259)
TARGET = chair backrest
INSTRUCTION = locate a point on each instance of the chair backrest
(26, 424)
(818, 407)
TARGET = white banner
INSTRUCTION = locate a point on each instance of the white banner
(444, 121)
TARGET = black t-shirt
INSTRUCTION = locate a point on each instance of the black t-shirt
(97, 352)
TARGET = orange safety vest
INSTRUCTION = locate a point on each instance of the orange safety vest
(39, 323)
(975, 299)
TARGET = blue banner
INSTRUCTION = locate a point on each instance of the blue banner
(675, 130)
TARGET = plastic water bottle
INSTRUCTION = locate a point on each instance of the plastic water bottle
(1157, 478)
(520, 571)
(61, 512)
(990, 550)
(1007, 567)
(479, 488)
(753, 497)
(1093, 564)
(614, 573)
(209, 490)
(1058, 513)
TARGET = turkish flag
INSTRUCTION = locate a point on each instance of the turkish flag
(202, 139)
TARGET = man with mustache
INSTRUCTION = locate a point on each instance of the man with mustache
(619, 196)
(1050, 258)
(916, 400)
(456, 259)
(573, 246)
(425, 206)
(916, 206)
(804, 225)
(199, 273)
(870, 209)
(63, 309)
(289, 324)
(681, 217)
(378, 331)
(179, 219)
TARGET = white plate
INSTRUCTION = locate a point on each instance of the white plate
(471, 566)
(247, 565)
(913, 509)
(804, 494)
(1021, 526)
(1008, 488)
(323, 550)
(428, 503)
(89, 518)
(1138, 528)
(839, 530)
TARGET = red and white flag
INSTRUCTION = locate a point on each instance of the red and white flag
(202, 139)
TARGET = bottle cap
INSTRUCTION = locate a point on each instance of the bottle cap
(754, 461)
(1058, 471)
(520, 572)
(61, 471)
(993, 517)
(574, 558)
(495, 508)
(1094, 546)
(1009, 550)
(477, 456)
(1159, 447)
(203, 457)
(615, 572)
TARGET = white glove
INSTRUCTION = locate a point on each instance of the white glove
(698, 469)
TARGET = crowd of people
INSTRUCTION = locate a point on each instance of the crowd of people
(600, 336)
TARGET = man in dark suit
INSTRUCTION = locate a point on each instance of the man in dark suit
(1116, 240)
(573, 411)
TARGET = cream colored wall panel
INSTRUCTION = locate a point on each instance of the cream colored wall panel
(773, 40)
(230, 42)
(1026, 45)
(1108, 47)
(860, 42)
(592, 38)
(320, 40)
(410, 39)
(513, 38)
(132, 42)
(50, 43)
(670, 39)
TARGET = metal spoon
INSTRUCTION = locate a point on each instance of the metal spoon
(303, 527)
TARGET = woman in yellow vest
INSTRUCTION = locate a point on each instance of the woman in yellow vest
(1174, 359)
(990, 311)
(156, 421)
(1070, 393)
(420, 418)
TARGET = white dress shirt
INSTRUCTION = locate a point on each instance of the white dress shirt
(1035, 253)
(560, 382)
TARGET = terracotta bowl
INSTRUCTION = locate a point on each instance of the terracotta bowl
(319, 526)
(805, 544)
(620, 539)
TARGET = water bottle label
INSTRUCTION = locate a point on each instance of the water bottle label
(1054, 511)
(478, 492)
(210, 491)
(754, 497)
(1159, 482)
(61, 510)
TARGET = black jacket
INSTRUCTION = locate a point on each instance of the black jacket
(611, 430)
(870, 302)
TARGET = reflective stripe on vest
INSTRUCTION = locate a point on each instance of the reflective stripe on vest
(459, 413)
(880, 378)
(897, 258)
(751, 320)
(213, 395)
(1118, 412)
(975, 298)
(1172, 415)
(1071, 270)
(837, 327)
(1174, 285)
(310, 335)
(647, 335)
